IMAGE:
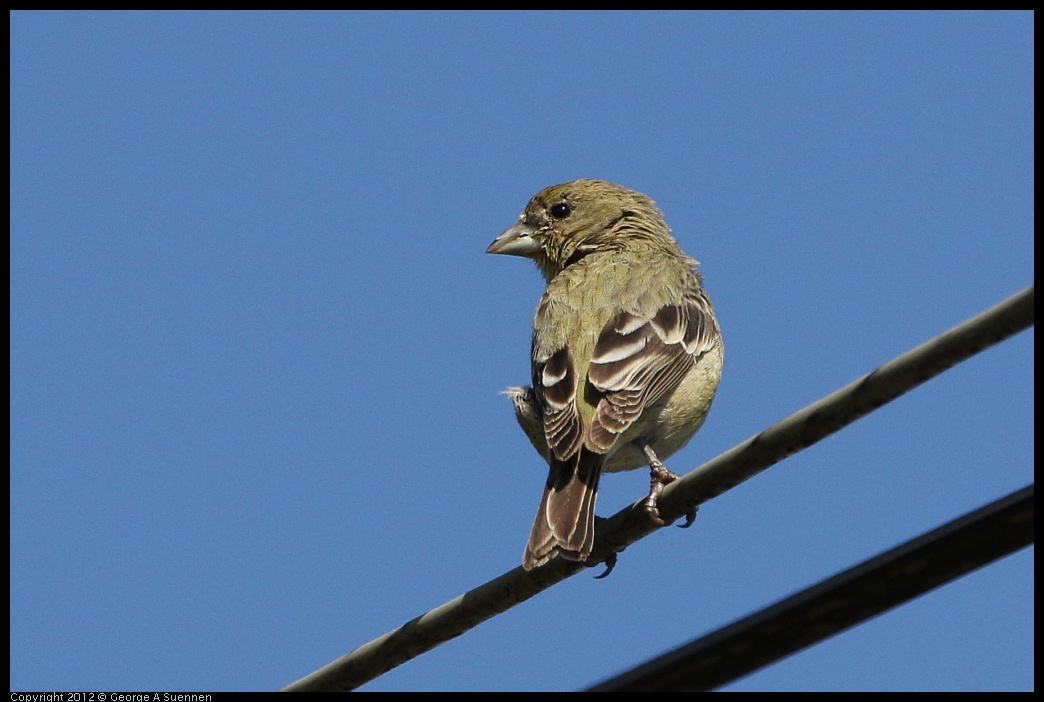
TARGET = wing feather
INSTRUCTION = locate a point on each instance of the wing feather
(639, 359)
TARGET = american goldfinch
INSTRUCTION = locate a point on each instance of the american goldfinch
(626, 353)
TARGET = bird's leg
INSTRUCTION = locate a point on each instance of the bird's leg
(661, 477)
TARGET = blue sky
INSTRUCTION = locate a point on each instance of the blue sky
(257, 346)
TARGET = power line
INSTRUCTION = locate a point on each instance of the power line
(797, 432)
(844, 600)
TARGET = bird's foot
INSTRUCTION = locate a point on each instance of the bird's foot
(659, 478)
(609, 561)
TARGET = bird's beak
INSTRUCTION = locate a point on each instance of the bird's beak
(517, 240)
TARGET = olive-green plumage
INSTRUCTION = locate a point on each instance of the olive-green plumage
(626, 352)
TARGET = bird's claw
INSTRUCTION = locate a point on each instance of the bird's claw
(610, 563)
(690, 517)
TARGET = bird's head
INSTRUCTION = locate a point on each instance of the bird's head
(563, 223)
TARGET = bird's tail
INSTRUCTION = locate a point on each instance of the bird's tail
(565, 520)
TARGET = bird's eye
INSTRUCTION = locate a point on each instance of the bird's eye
(561, 210)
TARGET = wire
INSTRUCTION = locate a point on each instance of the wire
(844, 600)
(797, 432)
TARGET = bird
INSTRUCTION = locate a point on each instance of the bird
(626, 352)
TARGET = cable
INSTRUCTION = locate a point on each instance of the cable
(797, 432)
(844, 600)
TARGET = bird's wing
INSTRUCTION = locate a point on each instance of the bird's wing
(564, 523)
(555, 382)
(639, 359)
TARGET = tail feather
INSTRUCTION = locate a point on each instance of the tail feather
(565, 520)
